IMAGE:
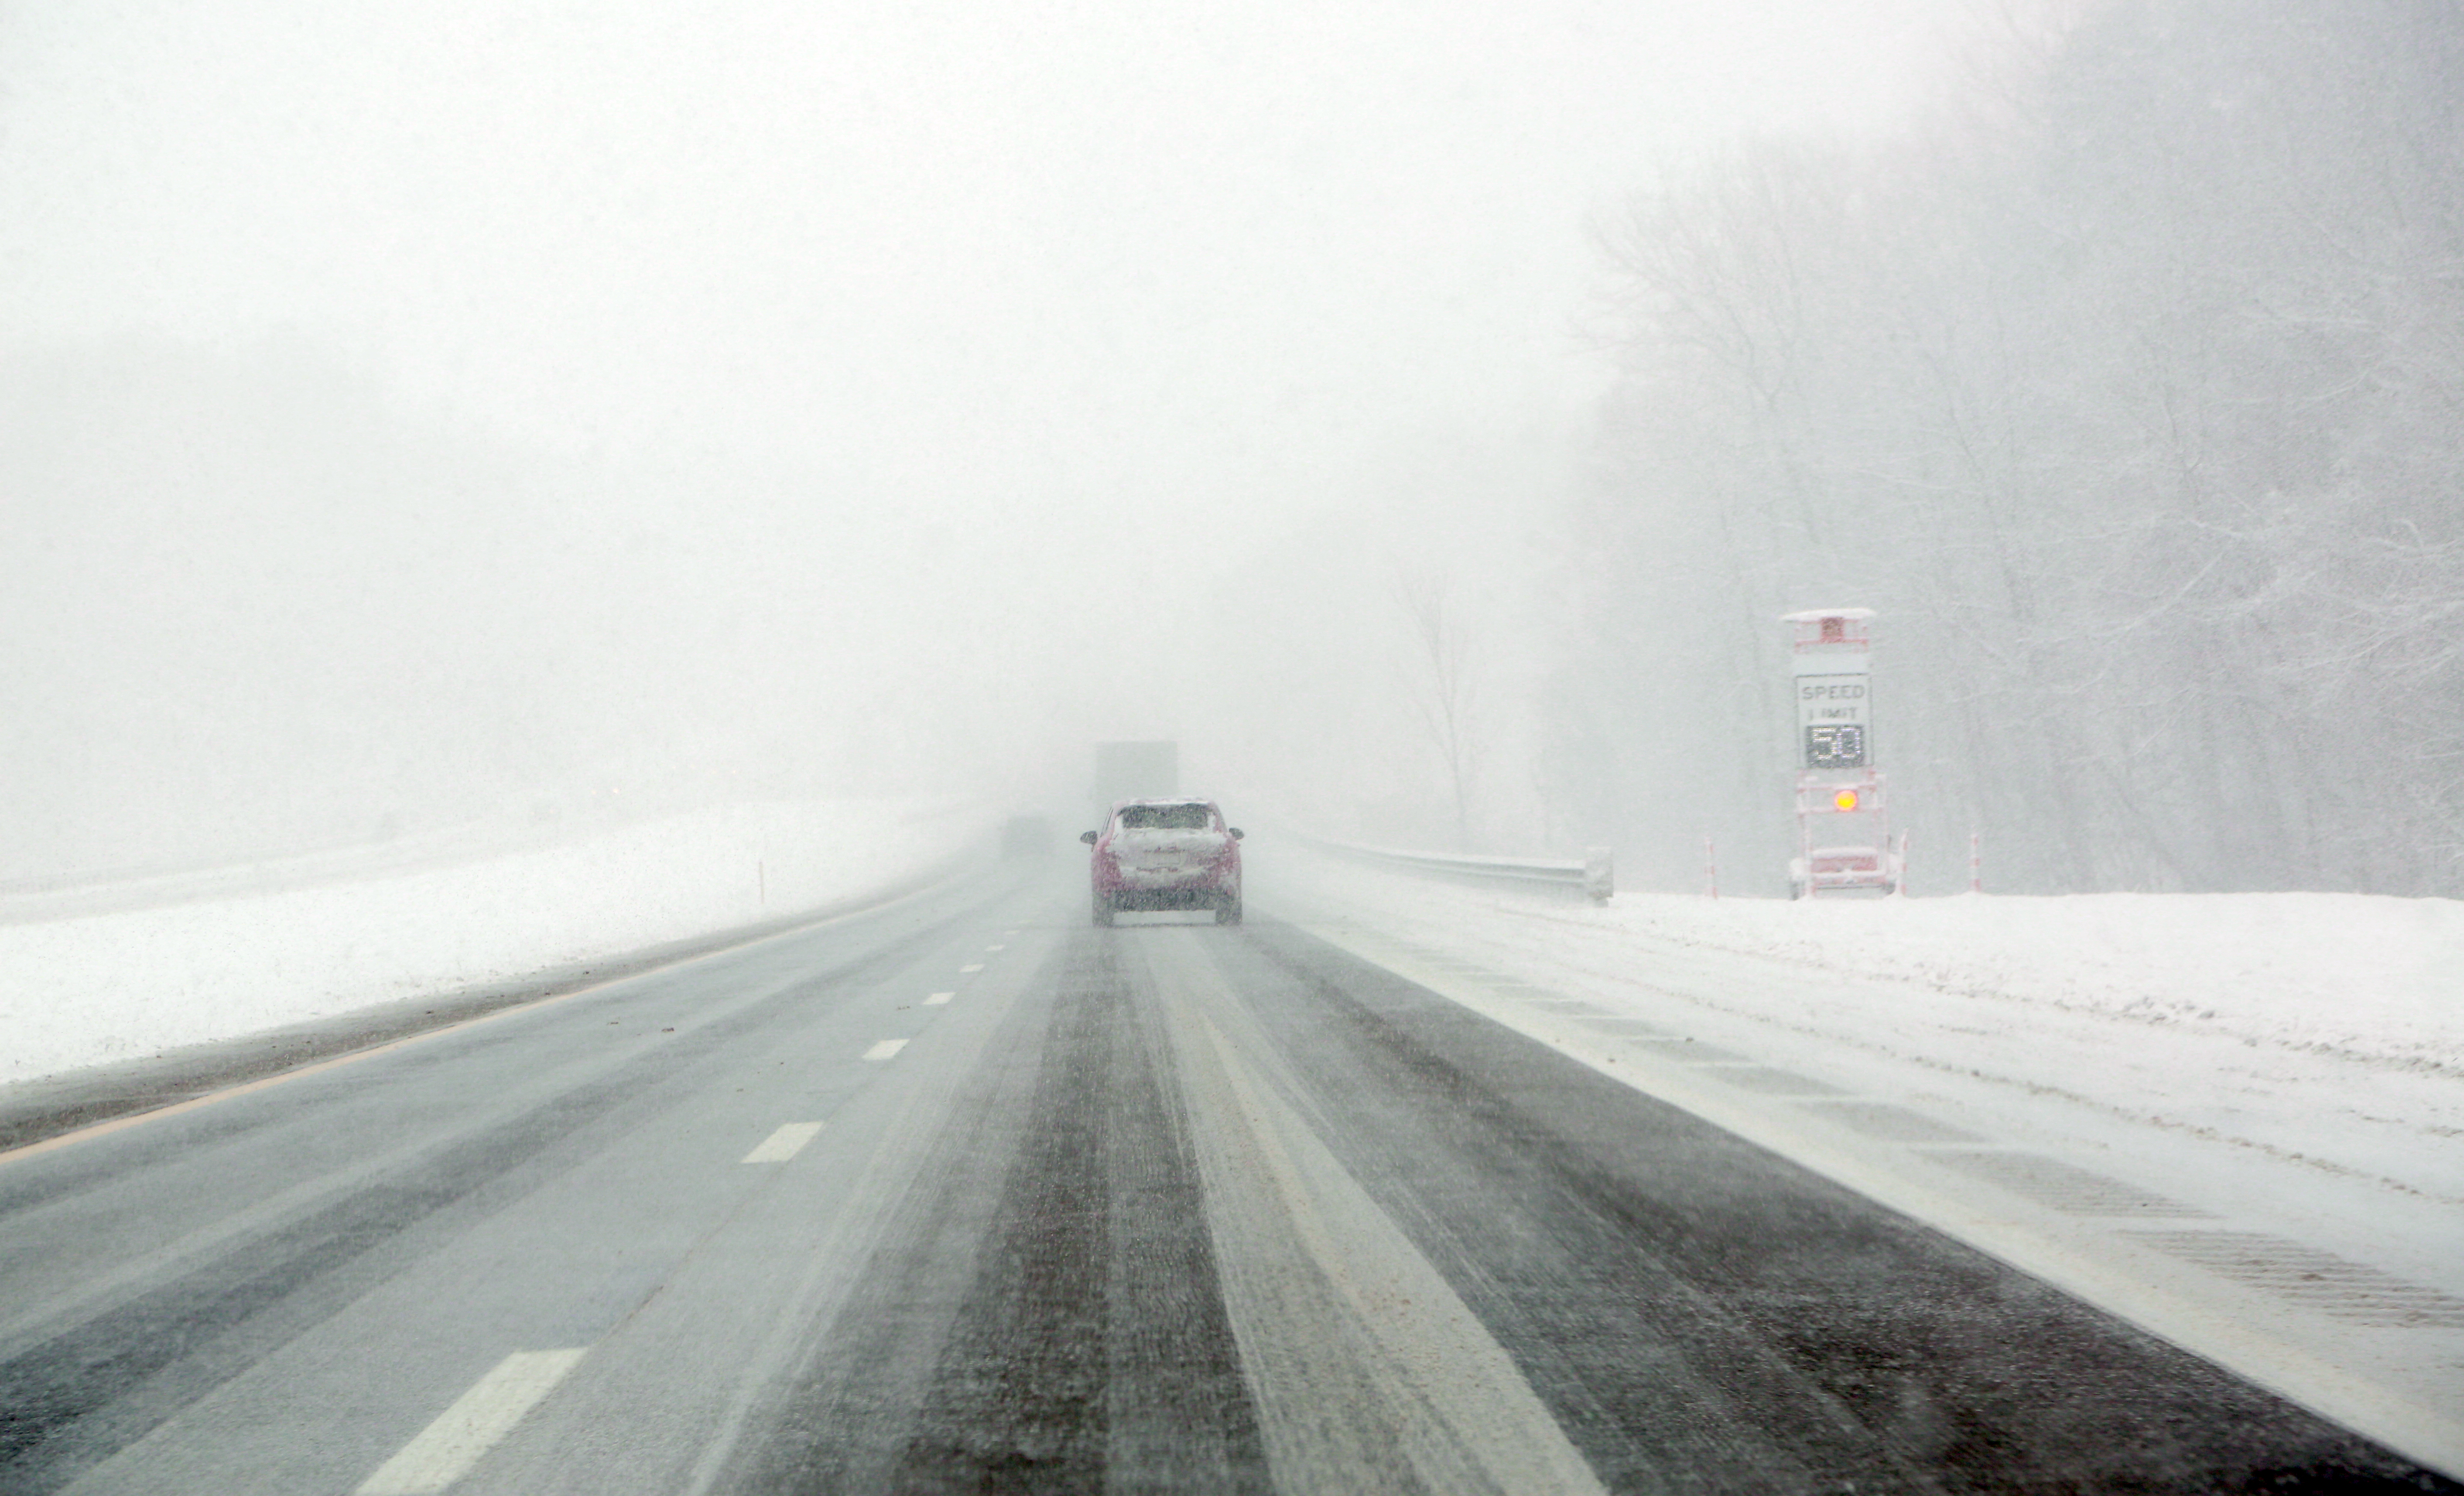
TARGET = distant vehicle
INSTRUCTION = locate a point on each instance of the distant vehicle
(1171, 853)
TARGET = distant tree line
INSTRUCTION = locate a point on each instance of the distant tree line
(2130, 390)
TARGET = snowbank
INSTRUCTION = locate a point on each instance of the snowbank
(132, 983)
(2365, 976)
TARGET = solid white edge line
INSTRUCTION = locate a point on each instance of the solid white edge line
(445, 1450)
(887, 1049)
(785, 1143)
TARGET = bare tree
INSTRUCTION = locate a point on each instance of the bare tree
(1441, 686)
(2131, 393)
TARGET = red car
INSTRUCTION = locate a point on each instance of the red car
(1166, 854)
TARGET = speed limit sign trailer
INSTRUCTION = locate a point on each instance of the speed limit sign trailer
(1844, 828)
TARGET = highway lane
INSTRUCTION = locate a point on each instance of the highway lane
(967, 1194)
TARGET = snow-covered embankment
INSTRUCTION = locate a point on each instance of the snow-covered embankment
(126, 983)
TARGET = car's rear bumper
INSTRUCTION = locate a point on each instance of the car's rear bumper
(1170, 888)
(1207, 895)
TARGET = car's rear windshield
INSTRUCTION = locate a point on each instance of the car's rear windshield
(1165, 818)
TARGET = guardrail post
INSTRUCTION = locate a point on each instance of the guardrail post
(1600, 873)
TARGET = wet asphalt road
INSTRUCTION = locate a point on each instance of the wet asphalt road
(966, 1195)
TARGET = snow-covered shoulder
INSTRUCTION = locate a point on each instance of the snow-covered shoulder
(130, 982)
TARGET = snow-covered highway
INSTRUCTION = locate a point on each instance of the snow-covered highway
(962, 1194)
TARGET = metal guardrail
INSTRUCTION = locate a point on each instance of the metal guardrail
(1594, 877)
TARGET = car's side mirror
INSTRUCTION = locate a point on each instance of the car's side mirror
(1235, 833)
(1088, 837)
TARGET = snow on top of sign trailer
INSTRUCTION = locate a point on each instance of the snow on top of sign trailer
(1816, 615)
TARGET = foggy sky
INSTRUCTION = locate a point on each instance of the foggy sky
(801, 353)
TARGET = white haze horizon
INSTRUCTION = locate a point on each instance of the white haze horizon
(483, 408)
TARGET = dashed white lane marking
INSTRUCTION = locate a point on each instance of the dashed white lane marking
(939, 999)
(785, 1143)
(996, 948)
(446, 1450)
(887, 1049)
(971, 966)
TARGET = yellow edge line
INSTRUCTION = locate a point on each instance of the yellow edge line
(266, 1082)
